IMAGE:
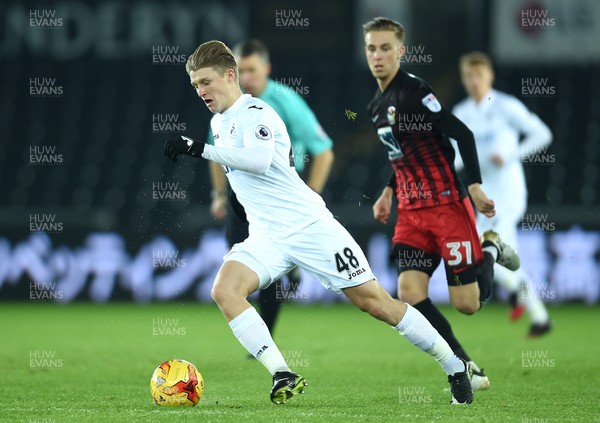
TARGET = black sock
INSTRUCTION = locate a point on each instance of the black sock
(269, 304)
(512, 299)
(485, 278)
(439, 322)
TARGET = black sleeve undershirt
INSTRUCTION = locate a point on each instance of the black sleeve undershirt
(453, 127)
(392, 182)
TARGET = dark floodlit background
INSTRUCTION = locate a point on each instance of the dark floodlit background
(90, 208)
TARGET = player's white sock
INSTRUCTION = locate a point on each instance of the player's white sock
(534, 305)
(419, 332)
(508, 279)
(492, 250)
(250, 329)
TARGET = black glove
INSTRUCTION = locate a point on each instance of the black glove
(183, 145)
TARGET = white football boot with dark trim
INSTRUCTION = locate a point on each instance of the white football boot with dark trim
(479, 381)
(507, 256)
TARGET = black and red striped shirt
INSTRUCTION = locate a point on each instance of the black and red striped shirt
(412, 125)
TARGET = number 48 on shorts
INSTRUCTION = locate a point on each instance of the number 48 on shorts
(352, 266)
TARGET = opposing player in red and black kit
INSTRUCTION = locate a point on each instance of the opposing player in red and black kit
(435, 217)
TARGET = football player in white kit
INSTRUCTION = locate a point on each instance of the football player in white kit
(498, 120)
(289, 225)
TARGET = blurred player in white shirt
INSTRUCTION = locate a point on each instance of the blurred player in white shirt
(498, 120)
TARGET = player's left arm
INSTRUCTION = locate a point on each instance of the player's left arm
(536, 132)
(459, 165)
(304, 128)
(423, 101)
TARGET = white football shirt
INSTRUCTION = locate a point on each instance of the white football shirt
(250, 135)
(497, 123)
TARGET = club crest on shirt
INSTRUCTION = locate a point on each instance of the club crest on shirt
(391, 115)
(262, 132)
(431, 102)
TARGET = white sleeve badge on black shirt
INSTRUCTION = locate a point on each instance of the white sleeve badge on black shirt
(431, 102)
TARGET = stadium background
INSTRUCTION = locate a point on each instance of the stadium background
(91, 209)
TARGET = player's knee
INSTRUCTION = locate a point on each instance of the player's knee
(469, 309)
(409, 294)
(221, 292)
(218, 294)
(413, 286)
(467, 306)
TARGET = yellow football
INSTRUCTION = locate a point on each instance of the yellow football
(176, 383)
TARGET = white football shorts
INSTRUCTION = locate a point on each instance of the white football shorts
(324, 249)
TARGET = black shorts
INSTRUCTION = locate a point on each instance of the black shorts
(407, 257)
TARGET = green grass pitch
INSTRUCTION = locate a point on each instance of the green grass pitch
(88, 362)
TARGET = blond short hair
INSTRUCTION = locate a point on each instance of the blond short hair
(475, 58)
(214, 54)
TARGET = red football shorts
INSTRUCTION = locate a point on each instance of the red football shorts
(422, 237)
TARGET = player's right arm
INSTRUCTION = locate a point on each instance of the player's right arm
(456, 129)
(257, 126)
(254, 157)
